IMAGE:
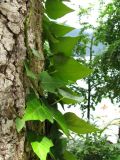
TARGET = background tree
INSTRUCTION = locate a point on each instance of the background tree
(108, 33)
(105, 65)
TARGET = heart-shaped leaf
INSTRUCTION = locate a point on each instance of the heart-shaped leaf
(37, 110)
(42, 147)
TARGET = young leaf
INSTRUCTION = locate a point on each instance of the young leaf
(35, 52)
(59, 30)
(56, 9)
(68, 156)
(49, 83)
(20, 123)
(29, 73)
(59, 117)
(69, 70)
(42, 147)
(64, 46)
(78, 125)
(37, 110)
(70, 96)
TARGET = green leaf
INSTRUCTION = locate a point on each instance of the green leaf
(42, 147)
(56, 9)
(59, 148)
(65, 45)
(59, 117)
(69, 70)
(53, 30)
(47, 33)
(29, 73)
(37, 110)
(49, 83)
(118, 158)
(20, 123)
(70, 97)
(35, 52)
(68, 156)
(59, 30)
(78, 125)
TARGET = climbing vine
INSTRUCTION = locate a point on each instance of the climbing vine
(50, 86)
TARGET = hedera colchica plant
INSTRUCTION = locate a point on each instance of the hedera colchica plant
(61, 70)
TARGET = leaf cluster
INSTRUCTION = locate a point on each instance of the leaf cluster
(61, 70)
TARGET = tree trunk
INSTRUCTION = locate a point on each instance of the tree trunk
(12, 92)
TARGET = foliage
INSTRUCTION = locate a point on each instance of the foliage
(105, 80)
(42, 148)
(52, 86)
(106, 75)
(109, 23)
(108, 63)
(94, 147)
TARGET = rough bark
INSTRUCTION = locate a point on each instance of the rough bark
(12, 92)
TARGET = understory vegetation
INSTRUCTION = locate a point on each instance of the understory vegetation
(94, 147)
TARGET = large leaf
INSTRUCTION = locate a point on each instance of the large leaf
(69, 97)
(42, 147)
(53, 30)
(69, 70)
(49, 83)
(56, 9)
(59, 117)
(47, 32)
(65, 45)
(78, 125)
(37, 110)
(59, 30)
(59, 148)
(68, 156)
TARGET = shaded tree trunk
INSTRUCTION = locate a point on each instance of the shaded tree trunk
(119, 134)
(12, 92)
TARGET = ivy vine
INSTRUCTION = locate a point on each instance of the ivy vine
(61, 70)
